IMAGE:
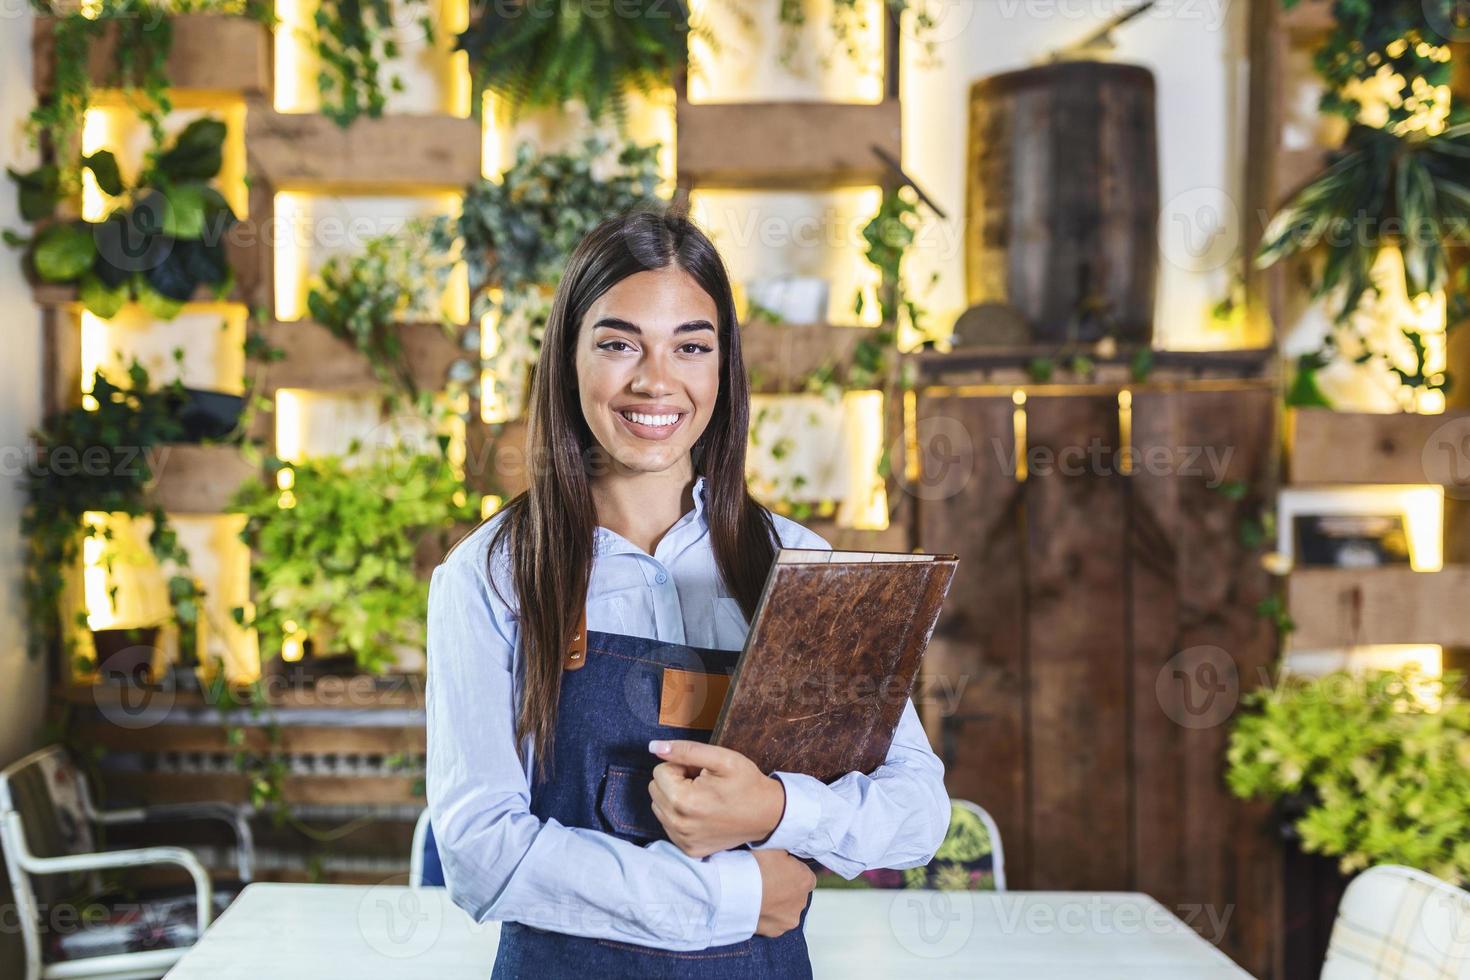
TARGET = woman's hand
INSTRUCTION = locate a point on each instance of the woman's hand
(712, 799)
(785, 885)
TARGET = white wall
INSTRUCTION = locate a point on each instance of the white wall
(22, 681)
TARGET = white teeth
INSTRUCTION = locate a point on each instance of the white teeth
(642, 419)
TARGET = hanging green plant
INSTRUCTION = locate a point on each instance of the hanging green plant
(851, 27)
(144, 39)
(1374, 767)
(1382, 189)
(364, 298)
(1398, 181)
(516, 234)
(541, 55)
(158, 248)
(354, 40)
(336, 558)
(98, 460)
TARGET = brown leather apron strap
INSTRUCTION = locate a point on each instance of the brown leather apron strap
(576, 654)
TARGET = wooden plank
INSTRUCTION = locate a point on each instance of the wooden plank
(293, 738)
(778, 356)
(391, 153)
(974, 676)
(785, 144)
(316, 358)
(1309, 22)
(1075, 643)
(1008, 363)
(1345, 607)
(159, 787)
(359, 692)
(210, 53)
(1328, 447)
(189, 479)
(1221, 649)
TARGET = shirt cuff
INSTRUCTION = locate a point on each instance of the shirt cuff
(739, 908)
(803, 814)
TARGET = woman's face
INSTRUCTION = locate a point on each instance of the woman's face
(648, 348)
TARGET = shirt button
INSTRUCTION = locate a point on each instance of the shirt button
(660, 578)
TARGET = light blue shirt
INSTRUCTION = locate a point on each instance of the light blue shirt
(502, 862)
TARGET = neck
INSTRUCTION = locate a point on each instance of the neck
(643, 506)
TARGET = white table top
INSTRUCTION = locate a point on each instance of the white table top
(367, 932)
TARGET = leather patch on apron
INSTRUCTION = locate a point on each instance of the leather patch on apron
(691, 698)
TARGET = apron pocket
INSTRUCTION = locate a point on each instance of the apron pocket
(626, 807)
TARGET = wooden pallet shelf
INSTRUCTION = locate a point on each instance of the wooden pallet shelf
(159, 787)
(1346, 607)
(1330, 447)
(210, 53)
(316, 358)
(192, 479)
(359, 692)
(1009, 365)
(404, 153)
(785, 144)
(779, 355)
(325, 739)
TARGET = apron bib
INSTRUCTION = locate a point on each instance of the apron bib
(619, 692)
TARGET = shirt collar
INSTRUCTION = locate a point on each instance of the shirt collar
(607, 541)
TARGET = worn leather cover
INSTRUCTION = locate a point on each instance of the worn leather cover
(831, 659)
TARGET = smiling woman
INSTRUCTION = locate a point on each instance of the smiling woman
(574, 636)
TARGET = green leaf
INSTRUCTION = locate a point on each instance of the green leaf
(184, 215)
(38, 190)
(154, 302)
(197, 153)
(100, 299)
(64, 252)
(104, 168)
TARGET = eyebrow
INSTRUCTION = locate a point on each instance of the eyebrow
(617, 323)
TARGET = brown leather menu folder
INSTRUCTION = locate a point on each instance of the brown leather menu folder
(831, 659)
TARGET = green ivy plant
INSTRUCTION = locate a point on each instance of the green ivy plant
(336, 558)
(1377, 765)
(363, 298)
(157, 248)
(850, 24)
(98, 460)
(354, 40)
(541, 55)
(515, 235)
(144, 39)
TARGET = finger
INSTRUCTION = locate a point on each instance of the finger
(690, 753)
(670, 779)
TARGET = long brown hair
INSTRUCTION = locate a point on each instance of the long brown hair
(550, 527)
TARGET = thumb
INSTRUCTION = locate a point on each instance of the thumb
(685, 752)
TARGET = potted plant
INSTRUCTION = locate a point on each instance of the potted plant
(1397, 182)
(364, 298)
(334, 560)
(97, 461)
(158, 248)
(543, 55)
(1370, 768)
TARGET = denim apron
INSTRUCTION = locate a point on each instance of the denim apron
(608, 711)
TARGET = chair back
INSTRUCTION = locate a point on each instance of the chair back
(1396, 923)
(49, 796)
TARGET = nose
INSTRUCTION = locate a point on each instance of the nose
(651, 376)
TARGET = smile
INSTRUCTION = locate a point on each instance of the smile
(651, 426)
